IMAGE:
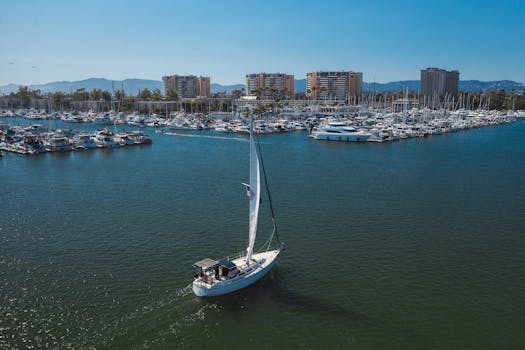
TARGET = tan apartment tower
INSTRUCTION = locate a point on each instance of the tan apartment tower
(270, 85)
(187, 86)
(340, 85)
(436, 83)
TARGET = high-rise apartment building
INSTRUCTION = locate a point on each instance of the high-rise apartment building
(341, 85)
(204, 86)
(269, 85)
(437, 82)
(187, 86)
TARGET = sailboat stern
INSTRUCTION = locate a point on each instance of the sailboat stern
(244, 276)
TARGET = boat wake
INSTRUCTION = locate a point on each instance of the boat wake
(207, 137)
(184, 291)
(172, 315)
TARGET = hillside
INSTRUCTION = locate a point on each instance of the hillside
(133, 86)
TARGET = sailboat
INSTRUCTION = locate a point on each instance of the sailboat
(212, 277)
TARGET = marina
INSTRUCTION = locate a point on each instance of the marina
(36, 138)
(361, 125)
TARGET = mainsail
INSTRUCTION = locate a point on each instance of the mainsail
(254, 194)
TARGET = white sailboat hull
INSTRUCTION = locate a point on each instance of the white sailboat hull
(248, 275)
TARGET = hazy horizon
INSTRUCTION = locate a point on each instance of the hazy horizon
(219, 83)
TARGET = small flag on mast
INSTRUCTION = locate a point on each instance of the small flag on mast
(249, 191)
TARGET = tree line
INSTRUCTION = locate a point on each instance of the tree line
(102, 100)
(119, 100)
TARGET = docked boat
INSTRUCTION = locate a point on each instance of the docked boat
(223, 128)
(218, 277)
(84, 141)
(337, 131)
(124, 139)
(32, 144)
(72, 119)
(139, 138)
(136, 120)
(58, 144)
(104, 138)
(181, 125)
(102, 120)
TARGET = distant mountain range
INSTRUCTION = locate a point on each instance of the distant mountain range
(132, 86)
(413, 85)
(464, 85)
(225, 88)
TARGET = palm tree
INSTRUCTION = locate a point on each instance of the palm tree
(156, 95)
(259, 109)
(119, 95)
(237, 93)
(258, 92)
(171, 95)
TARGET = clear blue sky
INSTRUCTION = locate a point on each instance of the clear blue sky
(44, 41)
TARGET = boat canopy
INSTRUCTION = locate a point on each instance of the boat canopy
(206, 264)
(227, 264)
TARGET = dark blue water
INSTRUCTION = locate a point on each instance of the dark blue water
(409, 245)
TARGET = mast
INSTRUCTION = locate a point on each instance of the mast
(254, 194)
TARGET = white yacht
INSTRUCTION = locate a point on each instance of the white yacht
(72, 118)
(84, 140)
(337, 131)
(58, 144)
(102, 120)
(222, 128)
(104, 138)
(139, 138)
(180, 125)
(136, 120)
(124, 139)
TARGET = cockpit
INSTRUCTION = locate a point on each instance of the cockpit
(211, 271)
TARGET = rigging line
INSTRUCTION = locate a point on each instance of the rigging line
(268, 191)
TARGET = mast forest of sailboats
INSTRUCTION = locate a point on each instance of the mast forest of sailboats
(217, 277)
